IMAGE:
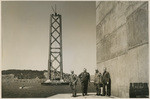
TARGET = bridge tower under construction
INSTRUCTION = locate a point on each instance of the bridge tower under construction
(55, 62)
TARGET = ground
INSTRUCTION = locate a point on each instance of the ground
(79, 95)
(34, 89)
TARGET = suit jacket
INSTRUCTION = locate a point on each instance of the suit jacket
(106, 77)
(98, 78)
(84, 77)
(73, 79)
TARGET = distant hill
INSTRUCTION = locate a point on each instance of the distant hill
(25, 74)
(30, 74)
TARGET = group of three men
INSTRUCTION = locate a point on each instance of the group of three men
(99, 81)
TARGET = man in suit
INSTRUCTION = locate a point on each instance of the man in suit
(106, 83)
(98, 82)
(85, 79)
(73, 82)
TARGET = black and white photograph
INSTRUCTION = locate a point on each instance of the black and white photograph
(74, 49)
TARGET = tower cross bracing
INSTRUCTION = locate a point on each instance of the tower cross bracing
(55, 65)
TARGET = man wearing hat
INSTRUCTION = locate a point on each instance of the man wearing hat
(73, 82)
(106, 83)
(85, 79)
(98, 82)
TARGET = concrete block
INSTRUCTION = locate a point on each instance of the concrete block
(123, 76)
(106, 48)
(138, 27)
(122, 40)
(111, 45)
(110, 24)
(99, 32)
(121, 8)
(122, 70)
(143, 66)
(128, 68)
(132, 65)
(101, 11)
(112, 66)
(120, 21)
(132, 6)
(97, 3)
(98, 51)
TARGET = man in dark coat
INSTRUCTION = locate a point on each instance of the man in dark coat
(73, 82)
(85, 79)
(106, 83)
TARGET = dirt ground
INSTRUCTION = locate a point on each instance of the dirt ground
(34, 89)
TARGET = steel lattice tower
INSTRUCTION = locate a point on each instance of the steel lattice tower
(55, 64)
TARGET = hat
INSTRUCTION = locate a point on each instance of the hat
(96, 69)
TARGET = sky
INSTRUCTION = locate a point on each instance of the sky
(25, 34)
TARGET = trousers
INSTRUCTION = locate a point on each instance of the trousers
(108, 91)
(98, 88)
(84, 88)
(74, 90)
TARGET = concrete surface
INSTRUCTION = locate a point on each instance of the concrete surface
(122, 43)
(79, 95)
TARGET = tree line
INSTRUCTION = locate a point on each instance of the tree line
(25, 74)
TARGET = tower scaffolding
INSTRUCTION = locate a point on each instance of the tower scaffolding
(55, 61)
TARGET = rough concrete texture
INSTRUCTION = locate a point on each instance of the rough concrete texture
(79, 95)
(138, 27)
(122, 42)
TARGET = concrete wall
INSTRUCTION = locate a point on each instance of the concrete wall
(122, 42)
